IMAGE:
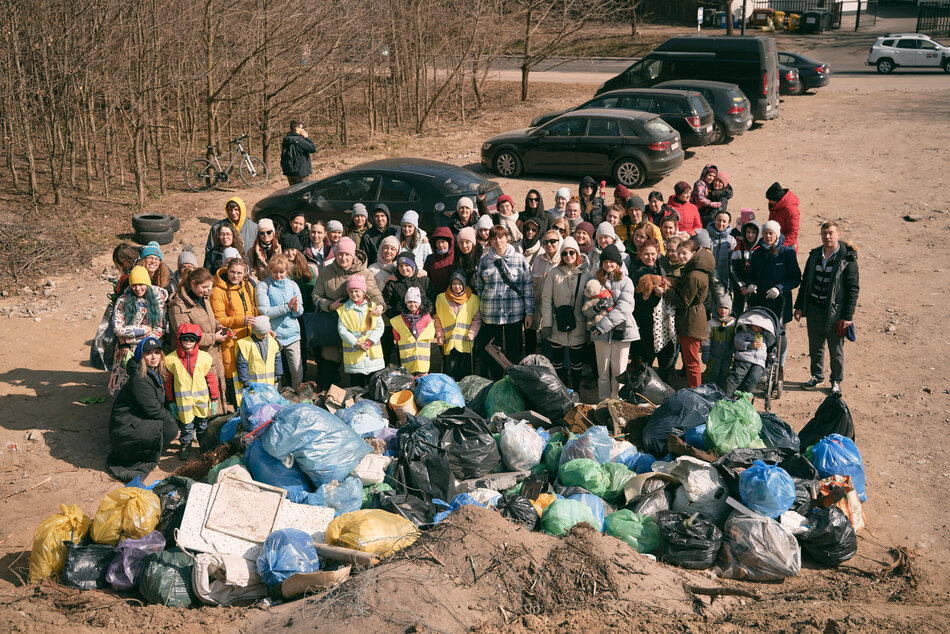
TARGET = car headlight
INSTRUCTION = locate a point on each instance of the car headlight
(486, 146)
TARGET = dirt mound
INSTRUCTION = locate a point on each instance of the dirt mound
(477, 569)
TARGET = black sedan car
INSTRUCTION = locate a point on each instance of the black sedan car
(628, 146)
(401, 183)
(813, 74)
(684, 110)
(788, 81)
(732, 110)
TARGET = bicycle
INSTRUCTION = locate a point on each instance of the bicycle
(203, 174)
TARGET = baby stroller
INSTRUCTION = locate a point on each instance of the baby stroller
(772, 336)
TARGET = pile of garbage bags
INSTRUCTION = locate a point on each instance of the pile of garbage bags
(743, 495)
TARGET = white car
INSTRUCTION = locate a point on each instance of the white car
(908, 50)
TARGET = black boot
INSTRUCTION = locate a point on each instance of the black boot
(576, 380)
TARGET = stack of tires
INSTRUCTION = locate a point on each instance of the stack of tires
(155, 227)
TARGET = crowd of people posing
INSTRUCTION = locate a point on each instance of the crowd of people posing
(562, 281)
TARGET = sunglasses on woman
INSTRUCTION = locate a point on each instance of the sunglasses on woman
(264, 233)
(569, 253)
(532, 200)
(550, 242)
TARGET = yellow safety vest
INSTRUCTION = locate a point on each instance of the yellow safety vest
(259, 369)
(413, 353)
(455, 327)
(362, 329)
(192, 397)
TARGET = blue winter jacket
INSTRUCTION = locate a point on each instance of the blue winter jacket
(722, 246)
(272, 300)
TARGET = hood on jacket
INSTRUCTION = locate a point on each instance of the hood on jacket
(527, 209)
(724, 177)
(708, 168)
(446, 234)
(383, 208)
(758, 231)
(703, 261)
(189, 359)
(716, 234)
(240, 203)
(584, 181)
(508, 252)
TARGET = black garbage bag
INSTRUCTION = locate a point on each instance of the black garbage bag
(644, 385)
(537, 360)
(830, 539)
(806, 492)
(656, 497)
(422, 468)
(688, 541)
(568, 491)
(465, 437)
(172, 492)
(737, 460)
(684, 410)
(383, 384)
(831, 417)
(475, 390)
(413, 508)
(777, 433)
(543, 391)
(536, 484)
(519, 510)
(86, 565)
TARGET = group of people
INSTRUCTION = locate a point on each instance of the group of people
(592, 284)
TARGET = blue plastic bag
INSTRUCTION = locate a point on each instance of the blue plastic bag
(437, 387)
(324, 447)
(766, 489)
(255, 396)
(694, 437)
(596, 506)
(838, 455)
(269, 470)
(594, 444)
(636, 461)
(365, 417)
(460, 500)
(345, 497)
(286, 552)
(229, 430)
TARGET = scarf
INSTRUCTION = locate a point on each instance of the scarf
(458, 299)
(586, 248)
(414, 322)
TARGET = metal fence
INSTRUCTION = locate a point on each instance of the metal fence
(933, 17)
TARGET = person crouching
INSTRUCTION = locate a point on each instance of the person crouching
(190, 387)
(361, 332)
(258, 358)
(414, 332)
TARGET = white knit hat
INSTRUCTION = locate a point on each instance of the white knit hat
(485, 222)
(564, 193)
(772, 226)
(410, 217)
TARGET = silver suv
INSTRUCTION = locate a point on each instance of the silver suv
(910, 50)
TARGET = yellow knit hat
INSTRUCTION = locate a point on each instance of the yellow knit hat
(139, 275)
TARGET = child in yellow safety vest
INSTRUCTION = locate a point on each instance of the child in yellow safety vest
(457, 320)
(258, 358)
(190, 387)
(360, 331)
(414, 332)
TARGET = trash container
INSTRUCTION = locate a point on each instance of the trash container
(778, 20)
(721, 19)
(793, 21)
(761, 17)
(814, 21)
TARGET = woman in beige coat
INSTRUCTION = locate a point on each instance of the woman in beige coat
(547, 259)
(563, 286)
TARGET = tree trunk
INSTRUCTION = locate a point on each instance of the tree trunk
(727, 7)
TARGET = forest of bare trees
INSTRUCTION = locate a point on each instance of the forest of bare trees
(105, 94)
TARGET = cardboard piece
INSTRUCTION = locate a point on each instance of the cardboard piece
(336, 399)
(296, 586)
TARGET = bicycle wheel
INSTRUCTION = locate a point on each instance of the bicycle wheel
(253, 171)
(200, 175)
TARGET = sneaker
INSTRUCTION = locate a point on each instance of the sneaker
(835, 387)
(813, 382)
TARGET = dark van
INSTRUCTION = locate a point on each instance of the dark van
(749, 62)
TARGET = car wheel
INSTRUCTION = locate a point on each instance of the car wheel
(152, 222)
(798, 91)
(630, 172)
(946, 65)
(507, 164)
(885, 66)
(719, 135)
(161, 237)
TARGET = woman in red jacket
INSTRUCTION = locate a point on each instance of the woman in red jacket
(783, 209)
(689, 214)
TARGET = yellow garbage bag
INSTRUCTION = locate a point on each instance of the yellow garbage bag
(127, 512)
(372, 531)
(49, 554)
(542, 502)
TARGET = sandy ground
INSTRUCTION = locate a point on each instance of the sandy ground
(868, 157)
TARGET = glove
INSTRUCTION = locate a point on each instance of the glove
(772, 293)
(173, 409)
(752, 289)
(214, 408)
(546, 333)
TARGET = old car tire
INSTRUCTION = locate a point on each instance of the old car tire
(152, 222)
(507, 164)
(176, 224)
(629, 172)
(885, 66)
(161, 237)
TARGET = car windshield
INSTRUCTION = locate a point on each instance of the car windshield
(657, 126)
(460, 183)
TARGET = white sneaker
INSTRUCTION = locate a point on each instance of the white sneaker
(835, 387)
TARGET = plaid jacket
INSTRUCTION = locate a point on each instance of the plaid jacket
(499, 303)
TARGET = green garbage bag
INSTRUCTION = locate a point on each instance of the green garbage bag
(586, 473)
(370, 490)
(504, 396)
(230, 462)
(733, 425)
(617, 477)
(561, 515)
(640, 532)
(166, 579)
(433, 409)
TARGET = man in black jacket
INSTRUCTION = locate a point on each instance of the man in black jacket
(295, 154)
(381, 228)
(827, 299)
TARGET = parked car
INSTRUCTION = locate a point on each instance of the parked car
(750, 62)
(909, 50)
(813, 74)
(628, 146)
(732, 110)
(685, 111)
(788, 81)
(401, 183)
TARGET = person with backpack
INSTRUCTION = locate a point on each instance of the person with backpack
(295, 151)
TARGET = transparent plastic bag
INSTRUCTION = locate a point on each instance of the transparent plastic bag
(126, 568)
(594, 443)
(766, 489)
(758, 549)
(286, 552)
(521, 446)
